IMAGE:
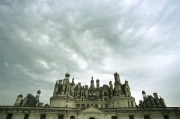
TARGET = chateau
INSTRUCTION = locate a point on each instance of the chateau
(74, 101)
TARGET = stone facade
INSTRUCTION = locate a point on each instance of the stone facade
(73, 101)
(76, 95)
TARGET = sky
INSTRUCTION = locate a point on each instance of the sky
(41, 40)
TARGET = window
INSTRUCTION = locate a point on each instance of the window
(106, 105)
(132, 104)
(72, 117)
(60, 116)
(92, 118)
(114, 117)
(166, 117)
(105, 98)
(96, 105)
(26, 116)
(78, 105)
(83, 105)
(131, 117)
(9, 116)
(105, 93)
(101, 105)
(43, 116)
(146, 117)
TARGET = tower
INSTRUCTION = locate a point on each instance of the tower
(144, 95)
(19, 100)
(67, 76)
(97, 83)
(92, 83)
(157, 99)
(111, 88)
(38, 95)
(117, 84)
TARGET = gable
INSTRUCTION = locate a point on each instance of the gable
(92, 110)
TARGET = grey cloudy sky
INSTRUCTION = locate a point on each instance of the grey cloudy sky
(40, 40)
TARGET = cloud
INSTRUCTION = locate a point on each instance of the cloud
(41, 40)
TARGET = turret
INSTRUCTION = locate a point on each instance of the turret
(117, 78)
(111, 88)
(73, 81)
(110, 85)
(67, 76)
(162, 102)
(140, 103)
(144, 95)
(60, 82)
(155, 95)
(117, 84)
(92, 83)
(157, 99)
(19, 100)
(38, 95)
(126, 83)
(56, 88)
(97, 83)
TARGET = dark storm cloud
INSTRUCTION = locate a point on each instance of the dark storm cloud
(41, 40)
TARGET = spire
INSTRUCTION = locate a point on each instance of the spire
(92, 83)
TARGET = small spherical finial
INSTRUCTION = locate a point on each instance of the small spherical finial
(20, 95)
(143, 92)
(67, 75)
(38, 91)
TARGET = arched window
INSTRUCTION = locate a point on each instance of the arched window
(131, 117)
(26, 116)
(82, 93)
(83, 105)
(43, 116)
(72, 117)
(60, 116)
(146, 117)
(92, 118)
(9, 116)
(105, 98)
(96, 105)
(114, 117)
(166, 117)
